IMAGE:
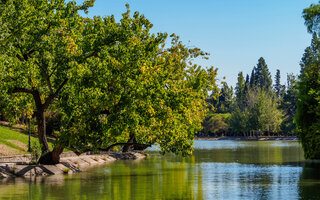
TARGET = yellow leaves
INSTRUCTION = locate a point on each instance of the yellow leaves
(42, 97)
(72, 47)
(29, 111)
(34, 84)
(134, 40)
(142, 69)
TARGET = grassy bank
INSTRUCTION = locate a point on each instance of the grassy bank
(14, 142)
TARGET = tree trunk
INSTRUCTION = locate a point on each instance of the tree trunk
(41, 121)
(128, 147)
(51, 158)
(56, 154)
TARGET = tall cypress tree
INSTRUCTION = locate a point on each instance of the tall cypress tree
(240, 90)
(262, 75)
(277, 85)
(246, 85)
(252, 78)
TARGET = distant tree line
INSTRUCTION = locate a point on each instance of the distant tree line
(255, 107)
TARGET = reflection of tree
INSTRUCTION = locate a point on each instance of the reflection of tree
(309, 183)
(155, 179)
(262, 152)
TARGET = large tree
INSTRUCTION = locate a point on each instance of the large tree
(307, 117)
(41, 47)
(113, 83)
(308, 107)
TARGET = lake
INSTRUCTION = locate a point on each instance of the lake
(216, 170)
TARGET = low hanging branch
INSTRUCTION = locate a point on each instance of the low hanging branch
(136, 146)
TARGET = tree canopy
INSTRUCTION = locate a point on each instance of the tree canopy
(308, 116)
(112, 82)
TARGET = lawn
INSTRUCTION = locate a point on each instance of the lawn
(14, 143)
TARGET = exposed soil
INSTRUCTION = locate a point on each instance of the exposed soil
(7, 151)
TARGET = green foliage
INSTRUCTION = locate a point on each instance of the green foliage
(262, 75)
(111, 80)
(146, 91)
(308, 108)
(222, 104)
(289, 105)
(216, 123)
(238, 122)
(240, 90)
(35, 152)
(311, 16)
(277, 86)
(260, 114)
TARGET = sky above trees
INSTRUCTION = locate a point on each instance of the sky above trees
(235, 33)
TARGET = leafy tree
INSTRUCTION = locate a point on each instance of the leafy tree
(150, 99)
(311, 16)
(40, 49)
(289, 104)
(224, 102)
(260, 113)
(238, 123)
(264, 113)
(216, 124)
(113, 83)
(308, 107)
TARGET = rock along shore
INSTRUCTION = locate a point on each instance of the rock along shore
(18, 166)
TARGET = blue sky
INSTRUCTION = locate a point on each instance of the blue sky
(236, 33)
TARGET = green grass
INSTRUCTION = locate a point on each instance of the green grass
(6, 135)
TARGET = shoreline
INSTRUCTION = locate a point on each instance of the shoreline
(18, 166)
(242, 138)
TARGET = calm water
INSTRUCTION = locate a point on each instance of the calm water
(217, 170)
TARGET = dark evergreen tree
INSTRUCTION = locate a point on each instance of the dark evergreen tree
(277, 86)
(225, 98)
(247, 79)
(308, 107)
(240, 90)
(289, 104)
(262, 75)
(252, 78)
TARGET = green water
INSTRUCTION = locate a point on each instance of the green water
(217, 170)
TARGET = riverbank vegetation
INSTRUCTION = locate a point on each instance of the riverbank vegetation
(256, 107)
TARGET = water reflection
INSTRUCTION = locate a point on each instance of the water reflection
(217, 170)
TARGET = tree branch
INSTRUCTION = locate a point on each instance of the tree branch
(46, 77)
(109, 148)
(53, 95)
(22, 90)
(20, 58)
(93, 54)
